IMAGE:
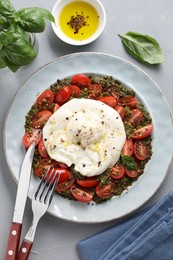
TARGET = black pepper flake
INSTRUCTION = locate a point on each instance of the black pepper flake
(117, 117)
(83, 165)
(45, 139)
(79, 143)
(67, 118)
(99, 163)
(102, 122)
(78, 132)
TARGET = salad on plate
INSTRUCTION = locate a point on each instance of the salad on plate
(94, 131)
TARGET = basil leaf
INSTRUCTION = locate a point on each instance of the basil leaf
(20, 52)
(142, 47)
(33, 19)
(3, 23)
(2, 61)
(12, 34)
(2, 38)
(44, 13)
(6, 8)
(13, 67)
(128, 162)
(16, 48)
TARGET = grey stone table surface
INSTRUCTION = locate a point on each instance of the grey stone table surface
(55, 238)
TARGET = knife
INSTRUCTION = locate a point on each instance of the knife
(22, 192)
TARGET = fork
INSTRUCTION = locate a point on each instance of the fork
(40, 203)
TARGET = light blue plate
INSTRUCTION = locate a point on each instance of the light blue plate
(146, 90)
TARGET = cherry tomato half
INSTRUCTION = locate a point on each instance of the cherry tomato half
(89, 182)
(135, 117)
(31, 136)
(118, 171)
(104, 191)
(142, 132)
(64, 173)
(109, 100)
(75, 90)
(95, 90)
(42, 149)
(43, 166)
(45, 99)
(127, 101)
(63, 95)
(128, 147)
(80, 80)
(40, 118)
(121, 111)
(141, 150)
(133, 173)
(65, 185)
(81, 194)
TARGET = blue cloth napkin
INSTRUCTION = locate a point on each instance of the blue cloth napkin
(147, 235)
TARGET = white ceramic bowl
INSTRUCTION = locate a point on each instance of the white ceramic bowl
(58, 31)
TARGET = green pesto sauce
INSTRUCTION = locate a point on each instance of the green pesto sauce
(146, 116)
(66, 194)
(129, 129)
(28, 117)
(59, 84)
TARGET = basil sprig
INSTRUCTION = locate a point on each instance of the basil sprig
(15, 47)
(128, 162)
(142, 47)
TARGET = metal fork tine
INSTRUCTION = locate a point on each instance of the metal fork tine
(51, 188)
(43, 178)
(39, 187)
(47, 181)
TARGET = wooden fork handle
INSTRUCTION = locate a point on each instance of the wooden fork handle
(24, 250)
(13, 241)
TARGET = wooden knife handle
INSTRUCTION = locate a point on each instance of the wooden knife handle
(13, 241)
(24, 250)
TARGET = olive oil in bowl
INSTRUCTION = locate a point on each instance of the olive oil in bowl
(78, 22)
